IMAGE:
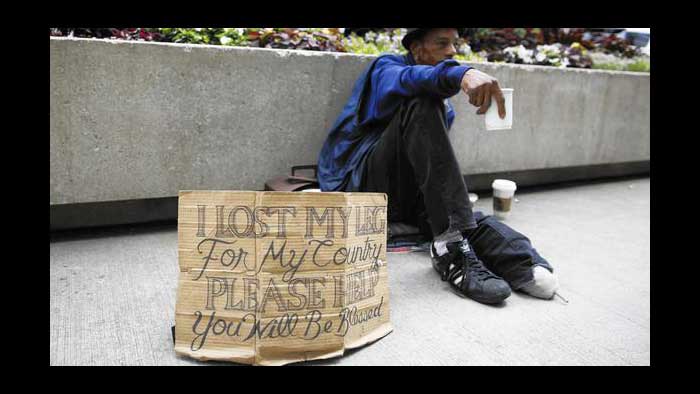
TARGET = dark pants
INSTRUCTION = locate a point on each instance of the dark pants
(506, 252)
(414, 164)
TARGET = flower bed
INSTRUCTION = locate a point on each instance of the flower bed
(577, 48)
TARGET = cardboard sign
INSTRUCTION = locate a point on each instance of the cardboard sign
(270, 278)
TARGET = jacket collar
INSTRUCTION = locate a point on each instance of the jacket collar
(409, 59)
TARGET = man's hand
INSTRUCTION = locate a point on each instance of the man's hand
(481, 88)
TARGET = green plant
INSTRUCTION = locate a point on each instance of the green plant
(315, 39)
(609, 66)
(607, 61)
(356, 44)
(374, 43)
(567, 48)
(133, 33)
(213, 36)
(233, 36)
(641, 65)
(471, 57)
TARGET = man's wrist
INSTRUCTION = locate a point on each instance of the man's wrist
(464, 84)
(456, 74)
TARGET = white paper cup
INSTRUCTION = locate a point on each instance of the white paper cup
(493, 121)
(503, 192)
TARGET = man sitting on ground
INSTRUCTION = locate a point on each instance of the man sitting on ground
(391, 137)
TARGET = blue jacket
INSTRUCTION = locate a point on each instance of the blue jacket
(377, 95)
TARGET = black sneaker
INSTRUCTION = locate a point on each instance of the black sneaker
(467, 274)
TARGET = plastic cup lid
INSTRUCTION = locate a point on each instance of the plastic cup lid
(504, 184)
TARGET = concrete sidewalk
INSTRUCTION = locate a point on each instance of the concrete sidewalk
(113, 293)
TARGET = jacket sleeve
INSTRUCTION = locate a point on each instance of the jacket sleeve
(392, 80)
(441, 80)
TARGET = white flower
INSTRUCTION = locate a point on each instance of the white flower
(465, 49)
(520, 52)
(225, 40)
(524, 53)
(383, 38)
(549, 50)
(540, 57)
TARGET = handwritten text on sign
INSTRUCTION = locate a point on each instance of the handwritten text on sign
(298, 301)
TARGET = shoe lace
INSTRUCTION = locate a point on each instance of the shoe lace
(476, 267)
(468, 264)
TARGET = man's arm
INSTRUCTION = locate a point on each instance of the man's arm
(392, 78)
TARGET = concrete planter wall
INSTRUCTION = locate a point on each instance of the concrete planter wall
(133, 120)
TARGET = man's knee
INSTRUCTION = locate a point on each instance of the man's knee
(425, 104)
(424, 107)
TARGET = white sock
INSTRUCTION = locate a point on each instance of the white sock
(543, 285)
(440, 242)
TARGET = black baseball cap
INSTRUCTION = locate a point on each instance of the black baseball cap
(414, 33)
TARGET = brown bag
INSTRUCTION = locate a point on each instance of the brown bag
(294, 183)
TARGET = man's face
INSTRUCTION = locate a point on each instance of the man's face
(436, 46)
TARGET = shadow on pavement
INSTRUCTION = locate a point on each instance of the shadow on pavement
(570, 184)
(111, 231)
